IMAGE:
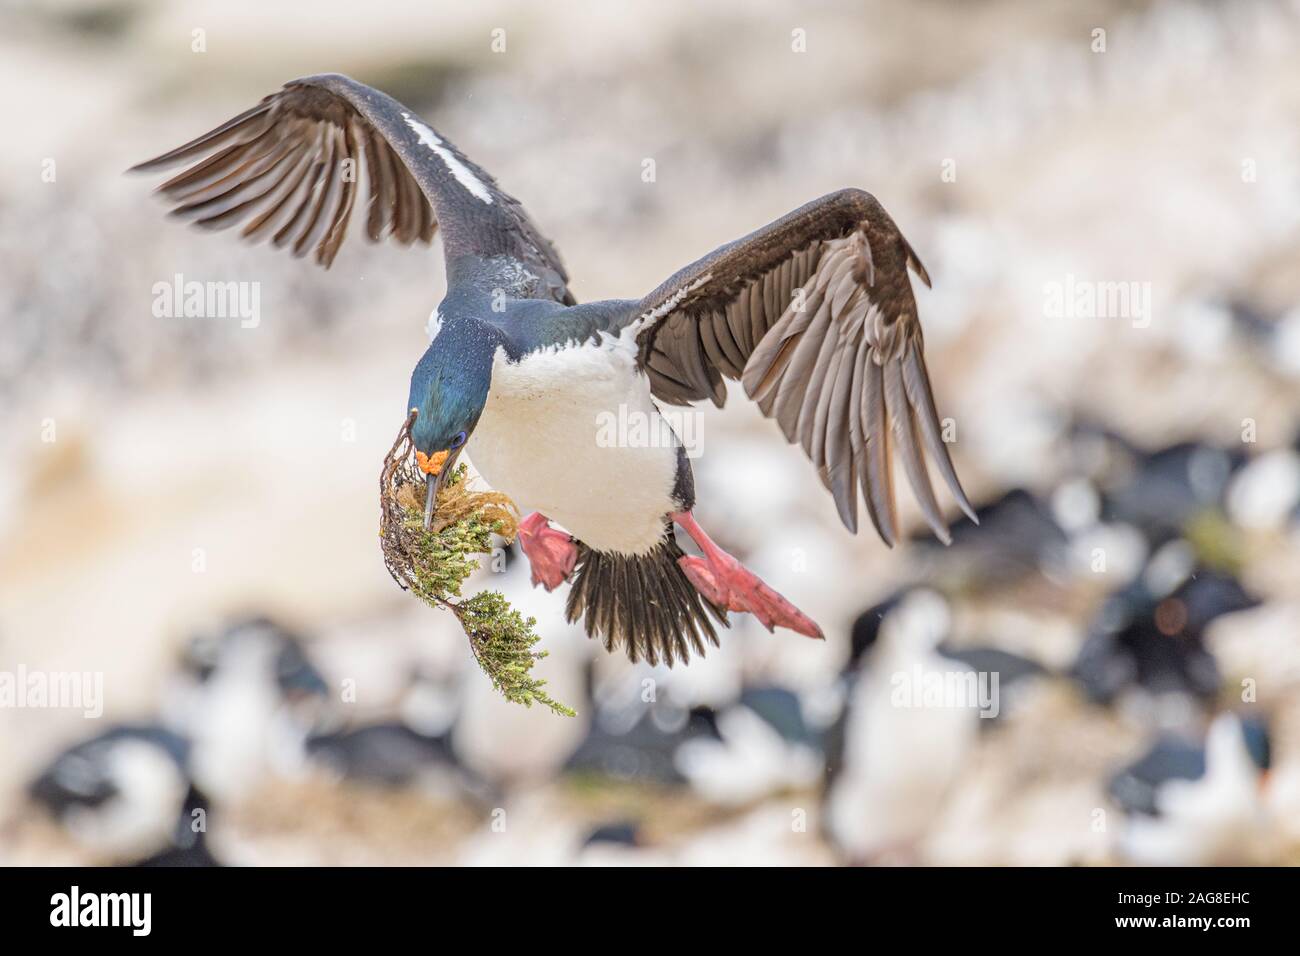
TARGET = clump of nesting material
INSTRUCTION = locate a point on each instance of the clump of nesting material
(434, 563)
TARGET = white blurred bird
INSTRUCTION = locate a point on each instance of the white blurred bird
(900, 759)
(125, 796)
(1217, 818)
(247, 699)
(751, 760)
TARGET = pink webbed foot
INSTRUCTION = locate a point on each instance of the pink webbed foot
(729, 584)
(551, 554)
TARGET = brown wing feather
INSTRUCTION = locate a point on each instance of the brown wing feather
(265, 147)
(292, 165)
(817, 313)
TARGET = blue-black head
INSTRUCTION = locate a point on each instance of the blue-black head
(449, 389)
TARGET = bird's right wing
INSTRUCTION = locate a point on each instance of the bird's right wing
(290, 169)
(814, 313)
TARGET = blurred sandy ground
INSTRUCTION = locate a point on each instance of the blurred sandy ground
(261, 446)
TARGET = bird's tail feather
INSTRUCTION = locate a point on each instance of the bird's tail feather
(642, 603)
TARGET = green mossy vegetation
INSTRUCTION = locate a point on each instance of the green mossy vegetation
(434, 565)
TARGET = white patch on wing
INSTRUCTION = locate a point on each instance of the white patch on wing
(540, 441)
(671, 303)
(434, 325)
(458, 169)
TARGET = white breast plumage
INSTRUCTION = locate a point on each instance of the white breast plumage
(550, 438)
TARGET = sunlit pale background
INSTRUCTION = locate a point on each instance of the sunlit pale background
(164, 479)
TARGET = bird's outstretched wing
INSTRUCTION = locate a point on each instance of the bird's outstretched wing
(290, 170)
(814, 314)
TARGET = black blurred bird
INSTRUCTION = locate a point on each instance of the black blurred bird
(1176, 757)
(246, 696)
(1194, 803)
(127, 794)
(1009, 537)
(1274, 337)
(391, 754)
(764, 746)
(1160, 492)
(623, 833)
(1013, 673)
(293, 671)
(1151, 637)
(646, 752)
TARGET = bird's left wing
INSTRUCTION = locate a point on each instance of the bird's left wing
(814, 314)
(291, 167)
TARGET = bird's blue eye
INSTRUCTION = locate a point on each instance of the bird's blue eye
(458, 440)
